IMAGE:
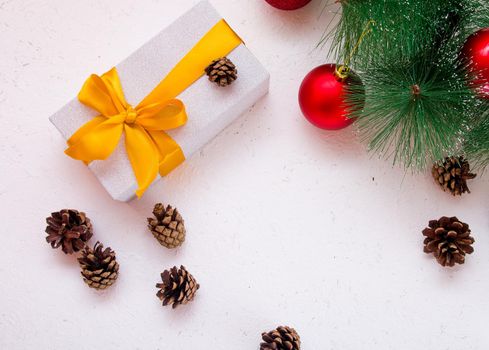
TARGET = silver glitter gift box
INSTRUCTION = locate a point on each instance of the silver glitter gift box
(209, 107)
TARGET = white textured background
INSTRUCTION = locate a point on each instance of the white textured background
(286, 224)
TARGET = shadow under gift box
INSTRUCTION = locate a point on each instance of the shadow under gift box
(210, 108)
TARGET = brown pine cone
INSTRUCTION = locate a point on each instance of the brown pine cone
(167, 226)
(99, 266)
(222, 71)
(452, 175)
(282, 338)
(178, 287)
(449, 240)
(70, 229)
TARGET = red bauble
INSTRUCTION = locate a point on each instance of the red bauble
(322, 97)
(476, 51)
(288, 4)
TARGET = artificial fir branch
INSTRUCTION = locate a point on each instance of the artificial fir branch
(476, 144)
(401, 26)
(416, 108)
(418, 103)
(476, 15)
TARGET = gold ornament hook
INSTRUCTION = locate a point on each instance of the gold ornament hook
(343, 70)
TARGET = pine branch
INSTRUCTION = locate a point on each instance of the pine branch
(418, 104)
(476, 144)
(416, 108)
(404, 26)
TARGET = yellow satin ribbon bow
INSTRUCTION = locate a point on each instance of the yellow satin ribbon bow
(149, 149)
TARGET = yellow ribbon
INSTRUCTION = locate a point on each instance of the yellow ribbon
(149, 148)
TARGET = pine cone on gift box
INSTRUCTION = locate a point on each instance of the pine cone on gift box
(282, 338)
(167, 226)
(222, 72)
(99, 266)
(69, 229)
(452, 175)
(449, 240)
(178, 287)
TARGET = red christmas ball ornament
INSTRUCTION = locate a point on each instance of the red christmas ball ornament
(476, 52)
(322, 97)
(288, 4)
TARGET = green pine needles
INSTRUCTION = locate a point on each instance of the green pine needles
(418, 103)
(400, 26)
(476, 143)
(415, 109)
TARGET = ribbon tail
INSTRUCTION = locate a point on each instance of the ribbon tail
(143, 155)
(170, 153)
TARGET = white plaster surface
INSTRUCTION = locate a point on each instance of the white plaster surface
(286, 224)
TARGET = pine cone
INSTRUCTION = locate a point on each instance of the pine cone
(178, 287)
(70, 229)
(452, 175)
(282, 338)
(449, 240)
(222, 71)
(168, 227)
(99, 266)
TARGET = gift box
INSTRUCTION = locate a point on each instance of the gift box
(209, 107)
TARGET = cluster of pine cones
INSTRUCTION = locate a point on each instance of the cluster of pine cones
(448, 238)
(178, 286)
(71, 230)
